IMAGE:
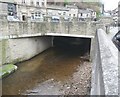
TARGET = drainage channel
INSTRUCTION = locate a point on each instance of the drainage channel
(56, 71)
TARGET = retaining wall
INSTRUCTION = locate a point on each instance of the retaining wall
(105, 66)
(20, 49)
(30, 27)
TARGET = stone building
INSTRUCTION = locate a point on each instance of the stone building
(57, 11)
(8, 8)
(33, 9)
(73, 11)
(84, 14)
(68, 11)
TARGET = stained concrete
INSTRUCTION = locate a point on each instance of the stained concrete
(105, 67)
(21, 49)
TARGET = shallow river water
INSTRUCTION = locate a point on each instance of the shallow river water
(53, 72)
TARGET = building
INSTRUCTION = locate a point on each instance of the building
(8, 8)
(114, 14)
(57, 11)
(33, 9)
(36, 3)
(38, 10)
(67, 12)
(73, 11)
(84, 14)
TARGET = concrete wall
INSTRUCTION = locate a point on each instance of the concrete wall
(105, 66)
(0, 52)
(16, 50)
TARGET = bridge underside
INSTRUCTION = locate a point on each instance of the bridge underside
(48, 34)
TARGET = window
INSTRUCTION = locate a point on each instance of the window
(69, 14)
(59, 13)
(39, 14)
(32, 15)
(43, 4)
(36, 14)
(37, 3)
(64, 13)
(23, 1)
(31, 2)
(81, 14)
(23, 18)
(11, 9)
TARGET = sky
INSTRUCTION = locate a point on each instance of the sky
(110, 4)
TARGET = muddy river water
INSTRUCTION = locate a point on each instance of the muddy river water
(53, 72)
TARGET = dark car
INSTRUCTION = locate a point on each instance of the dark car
(116, 40)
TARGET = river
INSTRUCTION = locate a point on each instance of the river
(55, 71)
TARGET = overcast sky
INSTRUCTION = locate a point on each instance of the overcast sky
(110, 4)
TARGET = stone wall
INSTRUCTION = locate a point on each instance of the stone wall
(16, 50)
(29, 27)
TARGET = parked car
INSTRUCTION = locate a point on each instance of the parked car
(55, 18)
(116, 40)
(66, 18)
(12, 18)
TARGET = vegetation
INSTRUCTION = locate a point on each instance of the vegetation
(6, 70)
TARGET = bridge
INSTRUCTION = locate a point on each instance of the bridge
(22, 40)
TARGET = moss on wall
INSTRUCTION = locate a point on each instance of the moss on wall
(7, 69)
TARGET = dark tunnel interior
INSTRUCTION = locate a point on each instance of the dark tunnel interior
(73, 44)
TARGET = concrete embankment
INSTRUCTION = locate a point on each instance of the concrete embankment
(105, 66)
(20, 49)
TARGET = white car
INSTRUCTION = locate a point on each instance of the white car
(12, 18)
(55, 18)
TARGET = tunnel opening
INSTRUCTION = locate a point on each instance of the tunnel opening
(74, 45)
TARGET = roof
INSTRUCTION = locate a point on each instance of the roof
(71, 6)
(83, 11)
(57, 8)
(7, 1)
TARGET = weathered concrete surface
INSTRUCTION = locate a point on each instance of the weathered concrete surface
(105, 67)
(16, 50)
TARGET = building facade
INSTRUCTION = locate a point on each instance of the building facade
(7, 7)
(86, 14)
(33, 9)
(38, 10)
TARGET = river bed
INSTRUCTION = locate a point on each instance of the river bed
(53, 72)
